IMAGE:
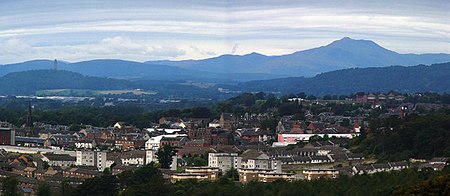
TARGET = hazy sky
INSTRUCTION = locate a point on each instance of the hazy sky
(194, 29)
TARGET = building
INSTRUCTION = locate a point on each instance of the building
(92, 158)
(124, 144)
(224, 161)
(188, 176)
(154, 143)
(59, 159)
(199, 134)
(135, 157)
(312, 174)
(86, 144)
(293, 138)
(227, 121)
(150, 156)
(212, 172)
(255, 159)
(379, 167)
(7, 136)
(80, 173)
(263, 175)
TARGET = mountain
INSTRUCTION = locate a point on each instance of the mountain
(249, 63)
(340, 54)
(420, 78)
(26, 66)
(27, 82)
(122, 69)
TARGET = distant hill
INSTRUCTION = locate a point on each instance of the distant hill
(340, 54)
(61, 82)
(131, 70)
(27, 82)
(420, 78)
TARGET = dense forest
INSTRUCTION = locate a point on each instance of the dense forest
(415, 136)
(27, 82)
(418, 78)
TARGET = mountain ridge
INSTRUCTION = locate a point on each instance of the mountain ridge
(339, 54)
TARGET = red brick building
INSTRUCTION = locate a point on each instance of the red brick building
(7, 136)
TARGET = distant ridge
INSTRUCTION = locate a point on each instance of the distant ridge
(420, 78)
(121, 69)
(340, 54)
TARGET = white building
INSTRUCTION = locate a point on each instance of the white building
(224, 161)
(150, 156)
(136, 157)
(85, 144)
(93, 158)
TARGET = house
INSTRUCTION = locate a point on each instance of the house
(379, 167)
(59, 159)
(80, 173)
(312, 174)
(124, 144)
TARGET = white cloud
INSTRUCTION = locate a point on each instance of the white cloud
(145, 30)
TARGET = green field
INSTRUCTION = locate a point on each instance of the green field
(87, 92)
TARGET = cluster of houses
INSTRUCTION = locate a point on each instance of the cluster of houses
(306, 149)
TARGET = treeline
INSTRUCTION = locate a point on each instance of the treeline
(148, 180)
(415, 136)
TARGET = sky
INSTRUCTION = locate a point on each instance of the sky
(197, 29)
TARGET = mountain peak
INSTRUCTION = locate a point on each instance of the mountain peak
(348, 43)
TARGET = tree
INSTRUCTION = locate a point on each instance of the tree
(232, 174)
(165, 155)
(43, 190)
(46, 165)
(66, 188)
(9, 186)
(104, 185)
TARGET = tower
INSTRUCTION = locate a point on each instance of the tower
(55, 65)
(29, 123)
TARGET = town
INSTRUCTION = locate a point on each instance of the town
(291, 139)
